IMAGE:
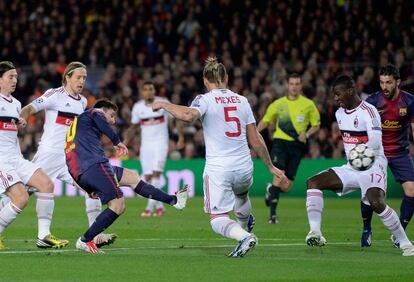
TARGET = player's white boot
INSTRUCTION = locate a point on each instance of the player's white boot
(315, 239)
(104, 239)
(408, 250)
(88, 247)
(182, 197)
(244, 246)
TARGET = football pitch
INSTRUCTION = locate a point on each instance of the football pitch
(182, 247)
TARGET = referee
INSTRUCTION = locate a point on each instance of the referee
(297, 118)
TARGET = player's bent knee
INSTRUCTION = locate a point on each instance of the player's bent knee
(117, 205)
(409, 189)
(377, 205)
(19, 196)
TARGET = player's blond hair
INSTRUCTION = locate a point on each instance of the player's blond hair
(214, 71)
(70, 69)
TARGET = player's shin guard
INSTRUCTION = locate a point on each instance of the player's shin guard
(103, 221)
(45, 205)
(7, 214)
(314, 207)
(391, 221)
(242, 209)
(148, 191)
(406, 210)
(228, 228)
(93, 208)
(366, 214)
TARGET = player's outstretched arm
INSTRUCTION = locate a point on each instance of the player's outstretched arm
(257, 143)
(121, 149)
(179, 112)
(27, 111)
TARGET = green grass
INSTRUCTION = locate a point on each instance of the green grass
(182, 247)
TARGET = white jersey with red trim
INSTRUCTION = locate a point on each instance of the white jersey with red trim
(225, 116)
(154, 125)
(357, 124)
(10, 109)
(60, 111)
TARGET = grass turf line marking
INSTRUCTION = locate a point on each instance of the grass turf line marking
(5, 252)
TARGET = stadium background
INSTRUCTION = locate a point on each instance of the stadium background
(124, 43)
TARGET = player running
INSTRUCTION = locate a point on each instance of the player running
(90, 168)
(15, 171)
(228, 126)
(396, 108)
(61, 106)
(359, 122)
(154, 142)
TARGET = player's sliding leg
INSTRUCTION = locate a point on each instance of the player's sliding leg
(366, 214)
(314, 208)
(44, 208)
(18, 201)
(388, 216)
(131, 178)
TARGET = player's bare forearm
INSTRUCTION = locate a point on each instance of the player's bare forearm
(179, 112)
(259, 146)
(312, 131)
(27, 111)
(262, 125)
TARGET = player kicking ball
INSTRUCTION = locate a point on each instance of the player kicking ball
(90, 168)
(359, 122)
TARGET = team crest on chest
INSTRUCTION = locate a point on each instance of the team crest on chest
(356, 122)
(403, 111)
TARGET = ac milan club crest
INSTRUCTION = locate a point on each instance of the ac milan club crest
(356, 122)
(9, 177)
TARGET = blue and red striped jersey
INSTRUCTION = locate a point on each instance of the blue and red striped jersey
(396, 118)
(83, 146)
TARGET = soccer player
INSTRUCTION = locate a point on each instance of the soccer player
(90, 168)
(396, 108)
(359, 122)
(297, 119)
(15, 171)
(154, 142)
(228, 124)
(61, 106)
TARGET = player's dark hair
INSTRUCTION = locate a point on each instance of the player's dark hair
(105, 103)
(345, 82)
(294, 75)
(390, 70)
(70, 69)
(214, 71)
(148, 82)
(6, 66)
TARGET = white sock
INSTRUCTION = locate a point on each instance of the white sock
(44, 207)
(390, 219)
(156, 182)
(228, 228)
(93, 208)
(7, 214)
(242, 210)
(314, 207)
(151, 205)
(4, 201)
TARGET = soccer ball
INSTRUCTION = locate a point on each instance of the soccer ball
(361, 157)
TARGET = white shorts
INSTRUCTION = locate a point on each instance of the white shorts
(221, 186)
(54, 165)
(15, 170)
(353, 180)
(153, 158)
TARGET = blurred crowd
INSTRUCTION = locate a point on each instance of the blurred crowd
(126, 42)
